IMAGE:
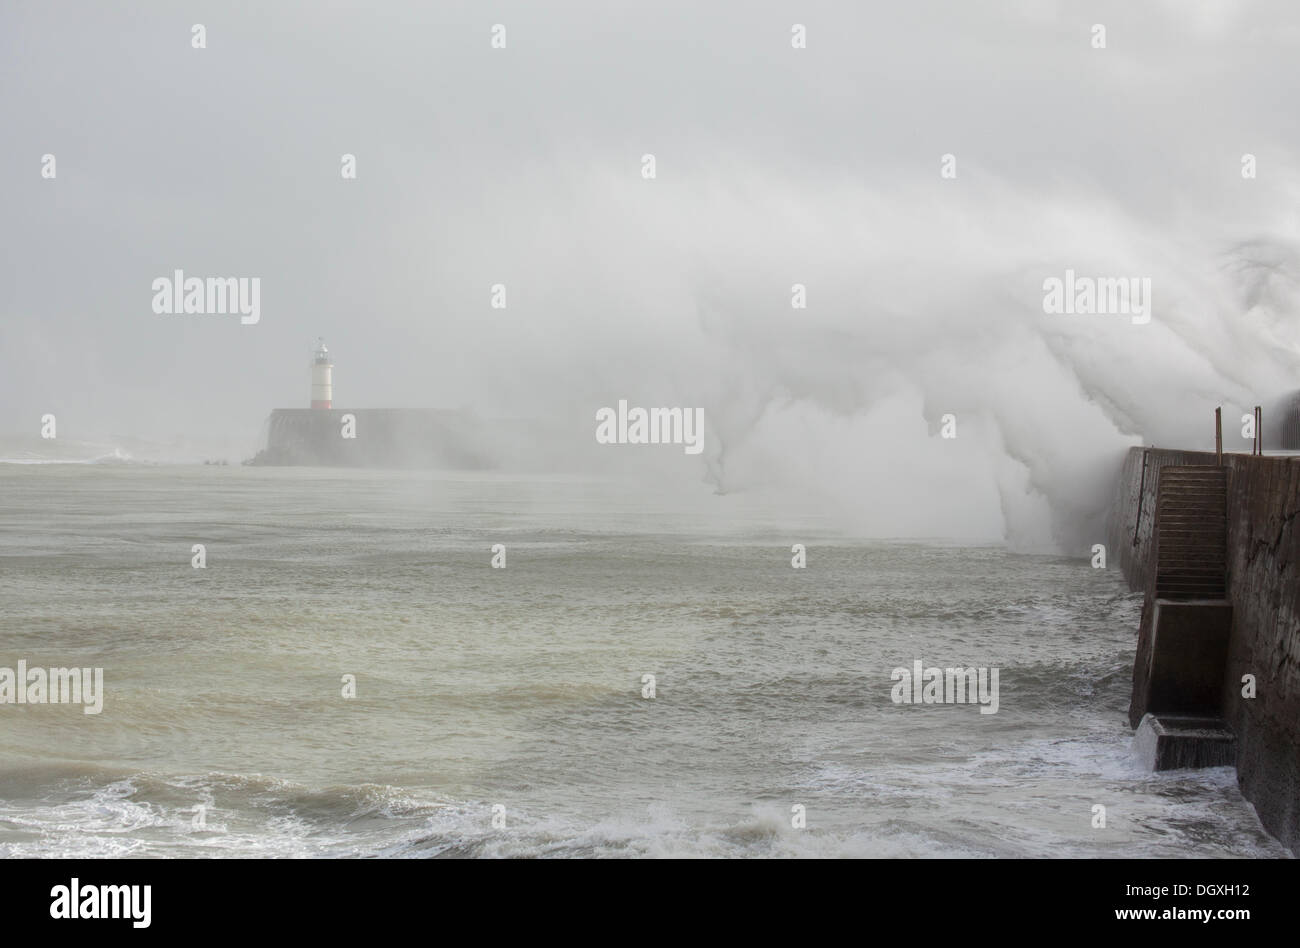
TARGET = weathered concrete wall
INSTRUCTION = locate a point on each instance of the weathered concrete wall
(1264, 591)
(1189, 651)
(1264, 588)
(383, 437)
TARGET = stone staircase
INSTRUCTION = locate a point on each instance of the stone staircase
(1192, 533)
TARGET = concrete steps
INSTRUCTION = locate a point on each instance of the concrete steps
(1192, 533)
(1183, 741)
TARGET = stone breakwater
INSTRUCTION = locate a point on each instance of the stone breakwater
(374, 437)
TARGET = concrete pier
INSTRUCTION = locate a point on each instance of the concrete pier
(1233, 657)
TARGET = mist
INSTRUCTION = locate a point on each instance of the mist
(774, 167)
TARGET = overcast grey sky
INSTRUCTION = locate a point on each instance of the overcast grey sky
(775, 166)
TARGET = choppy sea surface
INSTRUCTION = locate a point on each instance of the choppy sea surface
(517, 693)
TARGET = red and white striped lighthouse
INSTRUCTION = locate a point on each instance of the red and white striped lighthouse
(322, 377)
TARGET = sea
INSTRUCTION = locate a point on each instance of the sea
(642, 674)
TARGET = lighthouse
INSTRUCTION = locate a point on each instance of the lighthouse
(322, 377)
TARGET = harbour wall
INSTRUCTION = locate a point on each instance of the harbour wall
(1263, 589)
(374, 437)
